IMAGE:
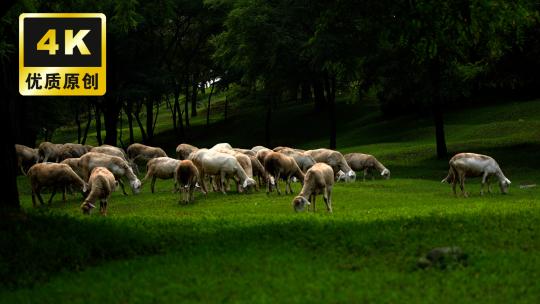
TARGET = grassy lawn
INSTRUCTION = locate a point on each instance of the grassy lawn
(254, 248)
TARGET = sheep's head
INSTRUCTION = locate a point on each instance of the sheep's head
(86, 207)
(248, 182)
(135, 186)
(504, 184)
(385, 173)
(351, 175)
(85, 187)
(299, 203)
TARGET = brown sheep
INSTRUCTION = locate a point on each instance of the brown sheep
(319, 180)
(184, 150)
(102, 184)
(187, 177)
(53, 175)
(142, 153)
(282, 166)
(26, 156)
(49, 151)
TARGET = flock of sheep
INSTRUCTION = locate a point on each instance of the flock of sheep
(97, 171)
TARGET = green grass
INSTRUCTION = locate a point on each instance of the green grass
(254, 248)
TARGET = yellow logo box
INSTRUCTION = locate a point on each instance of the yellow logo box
(62, 54)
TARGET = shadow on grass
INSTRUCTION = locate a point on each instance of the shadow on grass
(33, 249)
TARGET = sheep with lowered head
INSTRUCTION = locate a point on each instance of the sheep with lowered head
(55, 176)
(367, 163)
(464, 165)
(186, 176)
(102, 184)
(319, 180)
(282, 166)
(335, 160)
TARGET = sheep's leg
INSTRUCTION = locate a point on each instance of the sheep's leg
(329, 194)
(462, 184)
(365, 174)
(153, 184)
(22, 170)
(277, 183)
(483, 183)
(327, 201)
(222, 182)
(52, 195)
(34, 198)
(268, 188)
(38, 193)
(488, 180)
(64, 190)
(313, 197)
(121, 183)
(103, 207)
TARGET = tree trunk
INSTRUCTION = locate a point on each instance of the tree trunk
(111, 114)
(268, 124)
(437, 105)
(180, 124)
(149, 118)
(98, 124)
(78, 122)
(9, 203)
(88, 122)
(186, 104)
(129, 114)
(318, 92)
(305, 92)
(330, 86)
(440, 139)
(138, 119)
(226, 105)
(208, 106)
(194, 92)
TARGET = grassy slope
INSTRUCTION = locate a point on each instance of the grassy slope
(254, 248)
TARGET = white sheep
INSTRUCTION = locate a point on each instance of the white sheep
(186, 177)
(367, 163)
(116, 165)
(319, 180)
(335, 160)
(53, 175)
(102, 184)
(210, 162)
(162, 168)
(464, 165)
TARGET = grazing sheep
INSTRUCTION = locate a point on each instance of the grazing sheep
(102, 184)
(142, 153)
(366, 163)
(245, 151)
(260, 173)
(160, 167)
(184, 150)
(48, 150)
(258, 148)
(53, 175)
(261, 154)
(475, 165)
(116, 165)
(221, 146)
(115, 151)
(26, 156)
(319, 180)
(303, 160)
(70, 150)
(210, 162)
(186, 177)
(334, 159)
(282, 166)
